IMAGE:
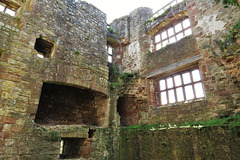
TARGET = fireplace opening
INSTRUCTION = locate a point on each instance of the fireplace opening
(128, 109)
(67, 105)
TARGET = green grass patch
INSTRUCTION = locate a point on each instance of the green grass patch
(230, 121)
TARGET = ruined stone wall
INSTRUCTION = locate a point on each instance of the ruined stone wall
(204, 143)
(220, 69)
(132, 105)
(133, 38)
(77, 31)
(173, 53)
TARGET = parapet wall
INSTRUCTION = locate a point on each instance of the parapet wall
(204, 143)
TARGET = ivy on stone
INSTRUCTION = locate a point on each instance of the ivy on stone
(228, 2)
(233, 35)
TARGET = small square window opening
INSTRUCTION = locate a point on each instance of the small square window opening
(44, 48)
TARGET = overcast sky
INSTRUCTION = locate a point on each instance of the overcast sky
(116, 9)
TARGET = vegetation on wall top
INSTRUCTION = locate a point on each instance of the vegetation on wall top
(228, 2)
(230, 121)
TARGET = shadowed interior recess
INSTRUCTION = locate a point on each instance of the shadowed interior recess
(66, 105)
(128, 109)
(75, 148)
(43, 47)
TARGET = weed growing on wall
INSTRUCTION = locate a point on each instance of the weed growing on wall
(228, 3)
(118, 80)
(233, 35)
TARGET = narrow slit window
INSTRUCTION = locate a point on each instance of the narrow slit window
(110, 56)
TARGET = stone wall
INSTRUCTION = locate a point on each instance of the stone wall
(204, 143)
(135, 42)
(73, 37)
(76, 32)
(212, 23)
(219, 69)
(173, 53)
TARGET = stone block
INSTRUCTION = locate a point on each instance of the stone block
(74, 135)
(8, 120)
(16, 128)
(2, 151)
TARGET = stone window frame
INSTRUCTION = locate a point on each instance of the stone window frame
(158, 90)
(9, 7)
(167, 39)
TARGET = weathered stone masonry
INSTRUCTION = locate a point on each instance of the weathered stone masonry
(68, 100)
(219, 69)
(78, 59)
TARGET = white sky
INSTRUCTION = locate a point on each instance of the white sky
(116, 9)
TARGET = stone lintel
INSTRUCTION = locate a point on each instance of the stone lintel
(74, 135)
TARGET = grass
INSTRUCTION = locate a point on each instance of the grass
(231, 122)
